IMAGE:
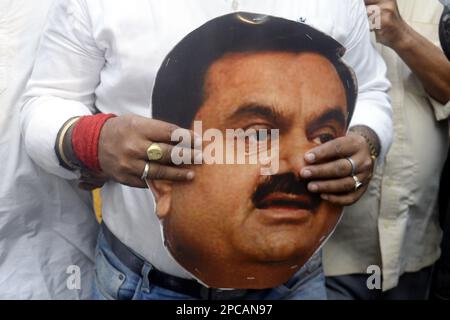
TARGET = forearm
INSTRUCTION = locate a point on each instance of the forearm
(372, 139)
(373, 107)
(427, 62)
(374, 113)
(41, 120)
(62, 86)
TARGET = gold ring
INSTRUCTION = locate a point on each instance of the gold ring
(154, 152)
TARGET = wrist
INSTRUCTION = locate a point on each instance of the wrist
(85, 139)
(405, 38)
(68, 148)
(77, 142)
(63, 146)
(371, 139)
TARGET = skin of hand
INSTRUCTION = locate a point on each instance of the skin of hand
(330, 172)
(393, 29)
(122, 152)
(90, 181)
(122, 148)
(426, 60)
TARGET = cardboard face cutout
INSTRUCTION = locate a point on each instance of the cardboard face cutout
(265, 82)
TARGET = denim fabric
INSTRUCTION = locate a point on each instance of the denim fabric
(114, 281)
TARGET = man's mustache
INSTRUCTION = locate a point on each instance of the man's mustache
(288, 184)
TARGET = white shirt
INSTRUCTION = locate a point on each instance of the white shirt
(46, 223)
(107, 53)
(395, 225)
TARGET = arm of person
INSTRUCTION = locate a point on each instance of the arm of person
(373, 108)
(328, 168)
(427, 62)
(65, 75)
(62, 87)
(425, 59)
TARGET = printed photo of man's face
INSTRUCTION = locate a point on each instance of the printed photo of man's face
(233, 227)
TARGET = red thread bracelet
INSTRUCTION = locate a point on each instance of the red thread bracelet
(85, 139)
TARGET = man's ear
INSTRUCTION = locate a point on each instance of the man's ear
(163, 194)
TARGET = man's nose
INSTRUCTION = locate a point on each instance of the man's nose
(292, 155)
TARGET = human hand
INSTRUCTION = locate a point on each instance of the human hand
(331, 173)
(392, 31)
(123, 145)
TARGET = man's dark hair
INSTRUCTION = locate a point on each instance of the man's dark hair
(178, 92)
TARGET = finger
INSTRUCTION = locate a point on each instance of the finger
(132, 174)
(342, 186)
(129, 173)
(335, 169)
(183, 156)
(173, 155)
(345, 199)
(160, 131)
(156, 171)
(340, 168)
(161, 172)
(134, 182)
(336, 149)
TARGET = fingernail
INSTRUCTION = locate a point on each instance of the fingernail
(190, 175)
(310, 157)
(306, 173)
(324, 197)
(313, 188)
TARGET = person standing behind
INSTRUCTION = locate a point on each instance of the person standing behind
(395, 226)
(47, 227)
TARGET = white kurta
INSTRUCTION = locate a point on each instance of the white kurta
(46, 225)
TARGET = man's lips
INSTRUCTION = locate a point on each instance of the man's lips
(284, 201)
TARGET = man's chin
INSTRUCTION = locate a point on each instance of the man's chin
(275, 243)
(250, 275)
(283, 254)
(257, 256)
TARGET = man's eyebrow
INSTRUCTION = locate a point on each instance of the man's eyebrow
(259, 110)
(334, 114)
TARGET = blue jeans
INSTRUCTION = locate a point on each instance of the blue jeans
(114, 281)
